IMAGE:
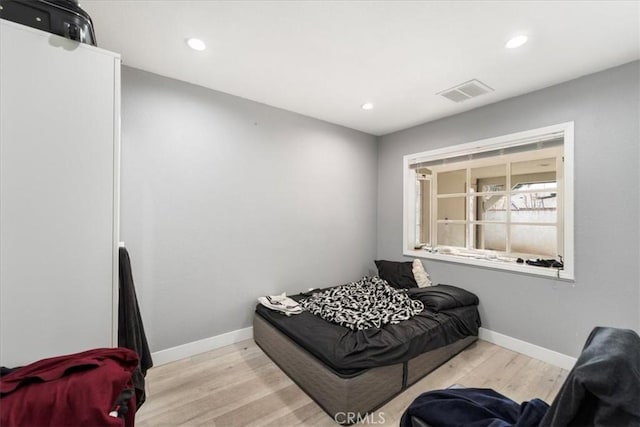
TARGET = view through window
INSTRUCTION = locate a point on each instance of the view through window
(501, 200)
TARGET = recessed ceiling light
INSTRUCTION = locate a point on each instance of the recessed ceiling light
(515, 42)
(196, 44)
(367, 106)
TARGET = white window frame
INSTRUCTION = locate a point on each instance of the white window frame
(564, 130)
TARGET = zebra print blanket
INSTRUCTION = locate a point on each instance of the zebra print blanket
(367, 303)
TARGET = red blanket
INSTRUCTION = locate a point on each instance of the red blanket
(72, 390)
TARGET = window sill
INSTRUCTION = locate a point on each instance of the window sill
(494, 264)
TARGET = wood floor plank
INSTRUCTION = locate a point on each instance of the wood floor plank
(494, 372)
(309, 414)
(559, 380)
(219, 369)
(208, 382)
(216, 397)
(238, 385)
(535, 380)
(267, 408)
(238, 395)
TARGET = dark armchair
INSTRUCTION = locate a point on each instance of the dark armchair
(602, 389)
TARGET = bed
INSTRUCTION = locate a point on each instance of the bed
(355, 372)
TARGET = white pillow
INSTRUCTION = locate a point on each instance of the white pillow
(420, 274)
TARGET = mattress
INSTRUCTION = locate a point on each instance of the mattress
(356, 371)
(358, 393)
(348, 352)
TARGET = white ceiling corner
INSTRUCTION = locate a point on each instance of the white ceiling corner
(325, 59)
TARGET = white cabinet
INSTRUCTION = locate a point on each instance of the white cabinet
(59, 191)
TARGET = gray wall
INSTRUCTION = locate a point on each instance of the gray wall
(552, 314)
(224, 200)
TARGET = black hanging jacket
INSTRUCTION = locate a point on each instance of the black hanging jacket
(130, 328)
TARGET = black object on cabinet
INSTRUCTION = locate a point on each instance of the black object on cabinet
(62, 17)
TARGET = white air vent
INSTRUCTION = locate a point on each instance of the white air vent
(466, 90)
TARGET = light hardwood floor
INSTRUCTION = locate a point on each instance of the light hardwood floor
(238, 385)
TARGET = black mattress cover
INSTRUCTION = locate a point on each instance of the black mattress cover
(349, 352)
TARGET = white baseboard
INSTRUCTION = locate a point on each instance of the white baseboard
(528, 349)
(196, 347)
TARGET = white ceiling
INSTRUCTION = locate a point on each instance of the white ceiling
(325, 59)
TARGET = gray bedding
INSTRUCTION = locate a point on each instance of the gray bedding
(348, 352)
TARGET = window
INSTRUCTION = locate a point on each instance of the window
(491, 202)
